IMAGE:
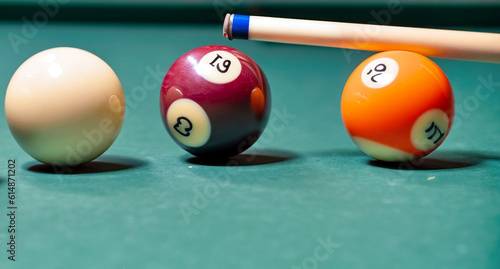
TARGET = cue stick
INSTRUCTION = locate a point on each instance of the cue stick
(453, 44)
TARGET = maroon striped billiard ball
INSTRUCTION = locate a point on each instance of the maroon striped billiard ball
(215, 101)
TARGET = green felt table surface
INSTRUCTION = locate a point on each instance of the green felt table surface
(303, 197)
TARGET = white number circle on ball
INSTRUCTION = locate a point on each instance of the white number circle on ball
(219, 67)
(380, 73)
(430, 129)
(188, 123)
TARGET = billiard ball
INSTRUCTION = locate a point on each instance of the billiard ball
(64, 106)
(215, 101)
(397, 106)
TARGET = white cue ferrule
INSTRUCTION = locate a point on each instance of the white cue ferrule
(462, 45)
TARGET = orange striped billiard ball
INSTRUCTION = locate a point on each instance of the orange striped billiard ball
(397, 106)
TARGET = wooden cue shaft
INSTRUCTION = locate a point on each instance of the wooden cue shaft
(463, 45)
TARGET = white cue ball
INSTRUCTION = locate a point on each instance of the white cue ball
(64, 106)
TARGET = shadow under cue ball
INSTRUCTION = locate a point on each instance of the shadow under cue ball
(64, 106)
(215, 101)
(397, 106)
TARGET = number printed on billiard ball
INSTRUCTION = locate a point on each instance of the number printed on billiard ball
(219, 67)
(188, 123)
(430, 129)
(380, 73)
(226, 64)
(183, 126)
(435, 131)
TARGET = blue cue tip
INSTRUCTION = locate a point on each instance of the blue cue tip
(236, 26)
